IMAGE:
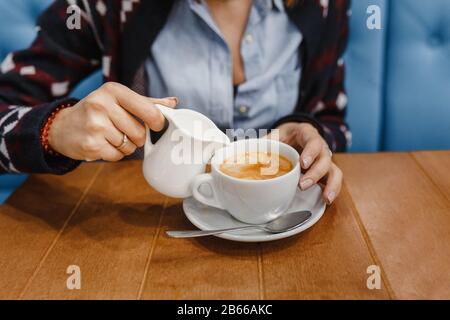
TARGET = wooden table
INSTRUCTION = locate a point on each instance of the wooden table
(393, 212)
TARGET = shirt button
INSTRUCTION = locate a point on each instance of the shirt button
(249, 38)
(243, 109)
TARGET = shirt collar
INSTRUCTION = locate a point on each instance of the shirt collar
(278, 4)
(265, 6)
(269, 4)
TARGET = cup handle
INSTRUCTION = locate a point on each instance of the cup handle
(209, 201)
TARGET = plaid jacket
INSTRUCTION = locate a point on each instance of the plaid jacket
(115, 35)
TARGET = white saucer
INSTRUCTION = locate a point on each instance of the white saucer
(208, 218)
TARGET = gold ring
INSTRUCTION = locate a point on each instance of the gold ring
(124, 142)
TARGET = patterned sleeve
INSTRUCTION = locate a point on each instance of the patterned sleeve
(326, 108)
(33, 82)
(331, 110)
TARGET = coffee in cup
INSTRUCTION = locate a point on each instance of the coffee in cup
(256, 166)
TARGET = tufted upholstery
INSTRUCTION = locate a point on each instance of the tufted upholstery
(18, 22)
(417, 94)
(364, 78)
(398, 78)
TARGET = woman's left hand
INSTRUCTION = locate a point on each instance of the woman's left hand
(315, 159)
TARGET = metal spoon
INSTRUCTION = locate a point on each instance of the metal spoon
(282, 224)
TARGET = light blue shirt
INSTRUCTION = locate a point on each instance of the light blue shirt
(190, 59)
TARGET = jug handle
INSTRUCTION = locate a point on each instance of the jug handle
(148, 142)
(168, 114)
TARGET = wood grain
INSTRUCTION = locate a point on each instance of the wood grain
(30, 222)
(436, 164)
(407, 220)
(394, 212)
(204, 268)
(108, 238)
(328, 261)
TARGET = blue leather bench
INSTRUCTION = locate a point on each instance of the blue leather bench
(398, 78)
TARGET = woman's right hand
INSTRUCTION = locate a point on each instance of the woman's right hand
(94, 128)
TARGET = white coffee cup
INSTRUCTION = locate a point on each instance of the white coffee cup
(250, 201)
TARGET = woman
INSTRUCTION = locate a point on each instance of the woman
(243, 63)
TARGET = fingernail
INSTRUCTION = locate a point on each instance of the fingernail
(307, 161)
(305, 184)
(175, 99)
(331, 196)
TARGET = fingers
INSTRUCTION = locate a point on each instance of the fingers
(315, 158)
(282, 136)
(127, 124)
(98, 148)
(308, 138)
(281, 132)
(311, 151)
(99, 122)
(110, 153)
(140, 106)
(317, 171)
(334, 184)
(115, 138)
(101, 136)
(305, 133)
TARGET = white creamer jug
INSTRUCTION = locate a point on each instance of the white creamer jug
(182, 152)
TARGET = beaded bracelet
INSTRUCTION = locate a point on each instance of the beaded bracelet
(46, 129)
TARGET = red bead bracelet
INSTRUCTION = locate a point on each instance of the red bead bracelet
(46, 129)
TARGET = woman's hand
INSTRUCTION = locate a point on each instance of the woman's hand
(94, 128)
(315, 158)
